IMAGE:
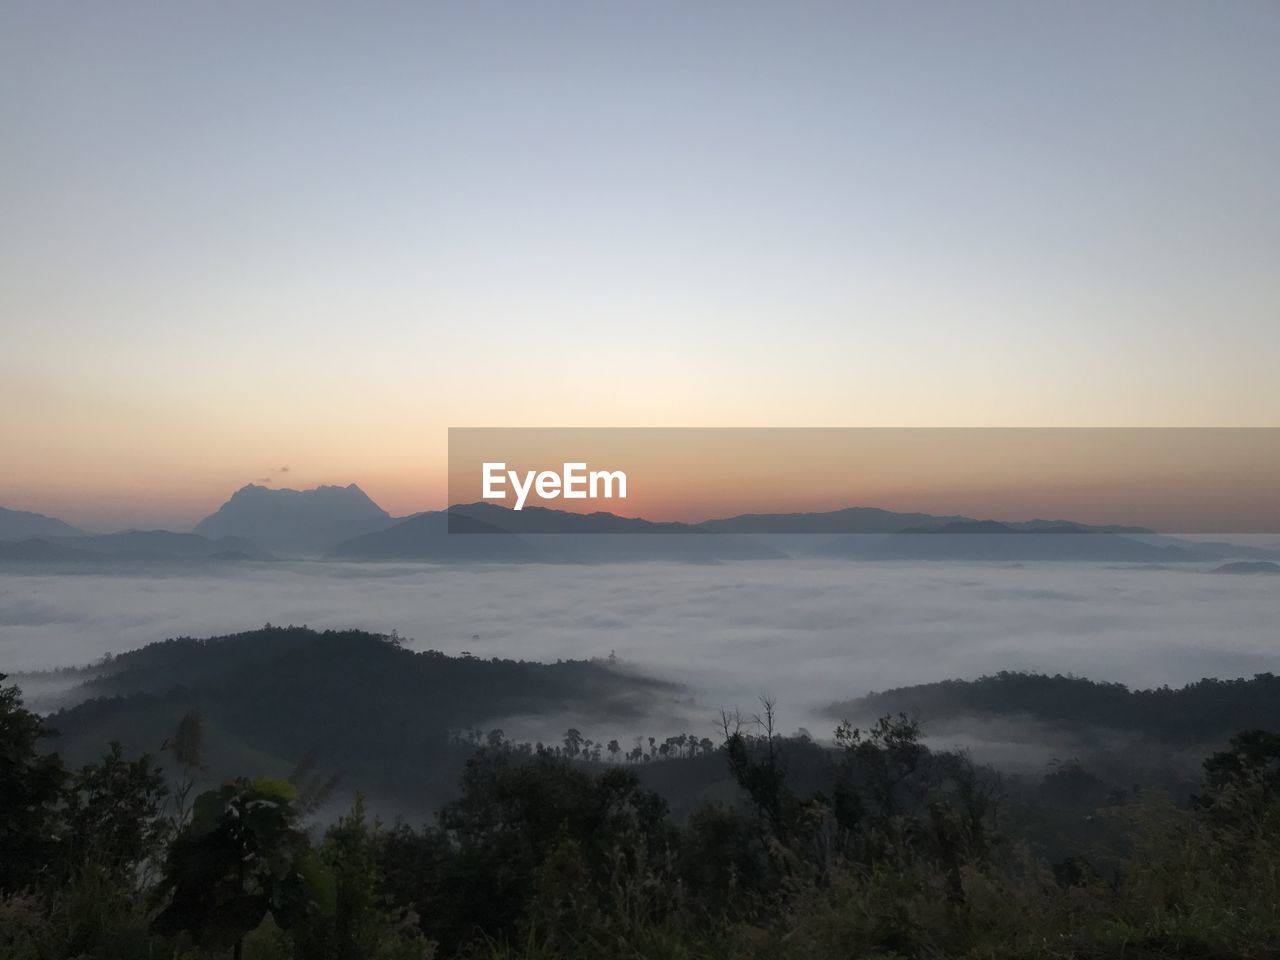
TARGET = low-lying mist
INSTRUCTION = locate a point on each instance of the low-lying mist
(806, 632)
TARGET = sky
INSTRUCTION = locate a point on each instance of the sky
(242, 237)
(1189, 480)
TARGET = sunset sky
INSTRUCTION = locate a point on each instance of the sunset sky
(1205, 480)
(242, 237)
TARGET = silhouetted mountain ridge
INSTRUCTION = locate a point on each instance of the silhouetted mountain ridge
(538, 534)
(303, 522)
(364, 705)
(129, 546)
(1250, 568)
(1208, 710)
(22, 524)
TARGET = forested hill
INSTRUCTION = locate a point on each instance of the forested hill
(365, 706)
(1204, 711)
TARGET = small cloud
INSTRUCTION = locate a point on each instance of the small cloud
(282, 470)
(263, 480)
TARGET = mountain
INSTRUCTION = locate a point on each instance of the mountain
(542, 520)
(848, 520)
(1070, 526)
(19, 525)
(1204, 711)
(361, 704)
(165, 544)
(426, 536)
(342, 523)
(540, 534)
(537, 534)
(295, 522)
(871, 520)
(990, 540)
(1250, 568)
(130, 545)
(33, 550)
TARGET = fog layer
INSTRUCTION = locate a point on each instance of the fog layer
(806, 632)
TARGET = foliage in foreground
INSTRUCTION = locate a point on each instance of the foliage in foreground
(904, 852)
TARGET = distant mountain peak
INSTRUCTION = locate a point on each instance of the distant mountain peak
(21, 524)
(319, 488)
(302, 522)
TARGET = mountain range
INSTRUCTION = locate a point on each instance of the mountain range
(133, 545)
(343, 523)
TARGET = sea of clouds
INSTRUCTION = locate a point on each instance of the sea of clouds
(805, 632)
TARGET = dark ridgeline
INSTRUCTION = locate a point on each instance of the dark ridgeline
(1197, 715)
(389, 718)
(1250, 568)
(131, 546)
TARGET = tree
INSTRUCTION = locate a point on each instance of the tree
(30, 787)
(758, 765)
(353, 918)
(240, 858)
(113, 813)
(1252, 763)
(512, 814)
(877, 767)
(187, 748)
(572, 742)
